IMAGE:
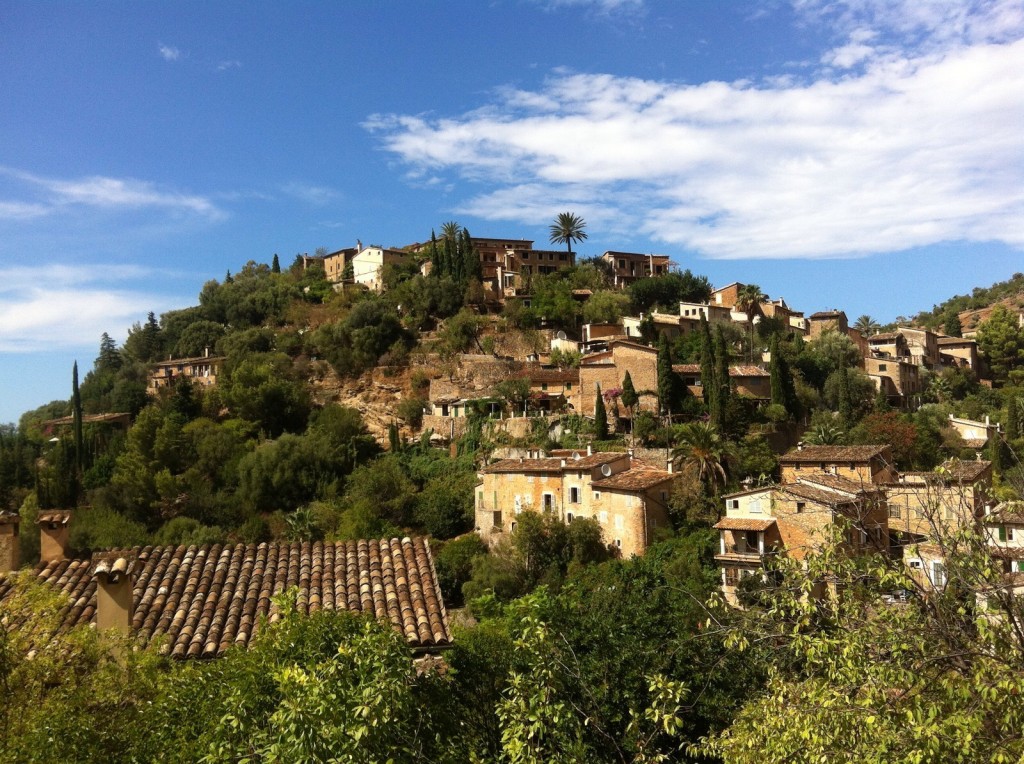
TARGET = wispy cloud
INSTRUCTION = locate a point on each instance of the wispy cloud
(169, 53)
(601, 6)
(52, 194)
(888, 145)
(311, 194)
(225, 65)
(56, 306)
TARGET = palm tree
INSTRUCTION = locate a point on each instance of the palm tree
(704, 451)
(824, 435)
(749, 299)
(867, 326)
(567, 228)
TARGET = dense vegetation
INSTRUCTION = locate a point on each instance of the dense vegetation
(571, 655)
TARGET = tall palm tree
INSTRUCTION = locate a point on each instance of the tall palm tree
(451, 230)
(703, 450)
(567, 228)
(749, 299)
(866, 325)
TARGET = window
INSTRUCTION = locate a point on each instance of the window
(732, 576)
(513, 527)
(496, 518)
(1002, 533)
(618, 543)
(597, 495)
(894, 510)
(881, 367)
(574, 495)
(480, 498)
(549, 502)
(568, 385)
(734, 503)
(619, 523)
(543, 385)
(938, 574)
(569, 518)
(622, 265)
(800, 506)
(603, 518)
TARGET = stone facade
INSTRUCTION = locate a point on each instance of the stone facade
(202, 371)
(609, 368)
(627, 499)
(861, 464)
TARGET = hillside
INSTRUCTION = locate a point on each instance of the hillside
(971, 309)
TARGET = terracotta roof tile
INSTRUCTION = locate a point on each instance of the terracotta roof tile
(834, 454)
(837, 483)
(818, 495)
(202, 600)
(525, 465)
(744, 524)
(637, 478)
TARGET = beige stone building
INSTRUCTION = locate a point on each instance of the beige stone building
(627, 267)
(628, 500)
(368, 263)
(747, 381)
(335, 262)
(609, 368)
(202, 370)
(959, 352)
(898, 378)
(864, 465)
(796, 519)
(827, 321)
(1004, 528)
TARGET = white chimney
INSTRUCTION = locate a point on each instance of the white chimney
(590, 450)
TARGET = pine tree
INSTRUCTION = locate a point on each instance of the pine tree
(600, 417)
(952, 326)
(275, 266)
(227, 278)
(1012, 425)
(470, 259)
(76, 411)
(109, 358)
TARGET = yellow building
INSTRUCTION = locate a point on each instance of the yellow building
(202, 371)
(627, 499)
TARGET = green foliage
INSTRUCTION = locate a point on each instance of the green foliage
(371, 329)
(1001, 340)
(668, 290)
(96, 528)
(600, 416)
(454, 564)
(606, 307)
(263, 389)
(568, 228)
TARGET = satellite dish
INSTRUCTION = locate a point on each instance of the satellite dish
(576, 455)
(560, 335)
(606, 470)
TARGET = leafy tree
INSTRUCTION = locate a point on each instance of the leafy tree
(275, 266)
(568, 228)
(723, 393)
(669, 290)
(1001, 340)
(605, 307)
(952, 325)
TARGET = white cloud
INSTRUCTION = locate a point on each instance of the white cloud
(99, 192)
(169, 53)
(910, 149)
(603, 6)
(55, 307)
(225, 65)
(311, 194)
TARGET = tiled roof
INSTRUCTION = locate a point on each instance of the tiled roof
(1006, 552)
(54, 517)
(203, 600)
(594, 460)
(818, 495)
(686, 368)
(956, 341)
(975, 442)
(744, 524)
(837, 483)
(833, 454)
(884, 337)
(195, 359)
(525, 465)
(552, 375)
(965, 471)
(1007, 512)
(637, 478)
(825, 314)
(734, 371)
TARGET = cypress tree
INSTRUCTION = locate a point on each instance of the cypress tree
(778, 388)
(76, 411)
(845, 400)
(600, 417)
(721, 379)
(629, 396)
(666, 386)
(435, 256)
(470, 259)
(707, 367)
(275, 266)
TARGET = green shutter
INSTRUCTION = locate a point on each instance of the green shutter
(1002, 533)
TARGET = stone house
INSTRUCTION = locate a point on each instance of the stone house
(554, 389)
(795, 519)
(596, 337)
(1004, 528)
(335, 262)
(747, 381)
(727, 296)
(628, 499)
(609, 368)
(368, 263)
(198, 601)
(975, 434)
(898, 378)
(627, 267)
(959, 352)
(827, 321)
(201, 370)
(864, 465)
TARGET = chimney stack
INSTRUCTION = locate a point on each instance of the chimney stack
(590, 450)
(114, 603)
(53, 534)
(10, 548)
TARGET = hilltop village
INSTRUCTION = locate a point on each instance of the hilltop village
(520, 463)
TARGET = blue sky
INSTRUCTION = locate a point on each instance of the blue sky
(865, 155)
